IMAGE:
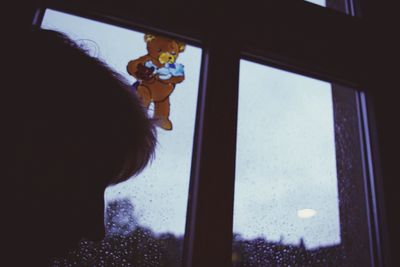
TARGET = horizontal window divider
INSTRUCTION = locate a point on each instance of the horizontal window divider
(330, 52)
(300, 67)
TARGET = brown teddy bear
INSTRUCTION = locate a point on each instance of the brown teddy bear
(157, 74)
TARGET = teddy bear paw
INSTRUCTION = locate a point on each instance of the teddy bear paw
(164, 123)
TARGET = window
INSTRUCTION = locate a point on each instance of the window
(270, 36)
(149, 208)
(299, 196)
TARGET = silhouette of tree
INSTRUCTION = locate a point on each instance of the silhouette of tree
(119, 217)
(259, 253)
(128, 244)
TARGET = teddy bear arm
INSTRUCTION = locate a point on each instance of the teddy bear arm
(175, 79)
(132, 66)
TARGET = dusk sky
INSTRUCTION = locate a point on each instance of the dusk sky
(286, 184)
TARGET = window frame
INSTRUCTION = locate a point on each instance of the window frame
(301, 49)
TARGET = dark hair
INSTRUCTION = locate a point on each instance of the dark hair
(80, 110)
(73, 128)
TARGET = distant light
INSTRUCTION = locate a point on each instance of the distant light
(306, 213)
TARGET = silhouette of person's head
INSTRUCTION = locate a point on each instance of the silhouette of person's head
(76, 129)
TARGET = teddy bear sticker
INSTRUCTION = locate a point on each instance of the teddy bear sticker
(157, 74)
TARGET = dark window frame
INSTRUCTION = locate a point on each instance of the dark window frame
(287, 40)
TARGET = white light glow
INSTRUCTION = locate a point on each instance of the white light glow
(306, 213)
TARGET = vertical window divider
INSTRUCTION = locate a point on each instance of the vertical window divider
(373, 177)
(38, 16)
(350, 175)
(210, 216)
(194, 175)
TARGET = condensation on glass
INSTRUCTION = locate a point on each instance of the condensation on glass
(145, 216)
(299, 187)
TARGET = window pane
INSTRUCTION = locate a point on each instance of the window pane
(299, 192)
(145, 218)
(318, 2)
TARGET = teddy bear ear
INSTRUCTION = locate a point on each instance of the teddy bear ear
(181, 46)
(148, 37)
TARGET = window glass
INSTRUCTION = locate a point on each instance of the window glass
(145, 216)
(298, 173)
(318, 2)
